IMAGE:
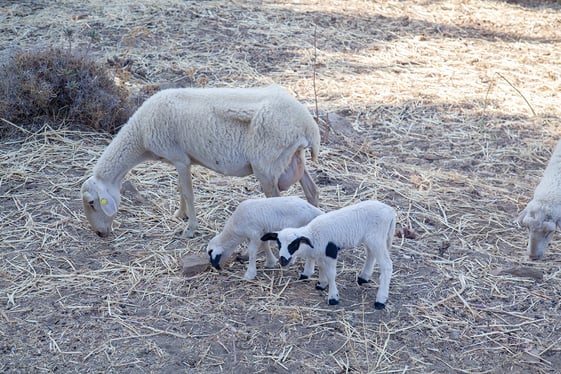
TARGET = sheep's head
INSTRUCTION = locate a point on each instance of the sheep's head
(541, 220)
(288, 242)
(217, 253)
(100, 205)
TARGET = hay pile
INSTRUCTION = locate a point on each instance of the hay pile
(431, 111)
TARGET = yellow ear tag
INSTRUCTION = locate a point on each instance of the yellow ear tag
(103, 201)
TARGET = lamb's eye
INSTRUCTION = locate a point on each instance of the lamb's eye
(91, 204)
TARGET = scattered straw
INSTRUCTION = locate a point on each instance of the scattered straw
(418, 119)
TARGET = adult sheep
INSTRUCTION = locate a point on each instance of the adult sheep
(233, 131)
(543, 213)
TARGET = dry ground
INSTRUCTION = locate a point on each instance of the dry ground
(446, 110)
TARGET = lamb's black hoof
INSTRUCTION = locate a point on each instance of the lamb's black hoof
(361, 281)
(379, 306)
(303, 277)
(333, 301)
(319, 287)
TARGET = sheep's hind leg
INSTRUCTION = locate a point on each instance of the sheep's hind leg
(386, 269)
(310, 189)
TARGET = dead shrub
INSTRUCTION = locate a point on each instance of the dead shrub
(61, 87)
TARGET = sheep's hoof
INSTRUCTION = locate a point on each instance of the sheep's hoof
(333, 301)
(180, 214)
(271, 265)
(187, 234)
(361, 281)
(320, 287)
(303, 277)
(379, 306)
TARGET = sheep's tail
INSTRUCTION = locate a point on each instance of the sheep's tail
(315, 151)
(313, 144)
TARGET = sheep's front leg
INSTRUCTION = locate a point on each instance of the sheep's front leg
(268, 185)
(252, 265)
(187, 205)
(308, 269)
(330, 273)
(368, 268)
(271, 260)
(327, 273)
(322, 281)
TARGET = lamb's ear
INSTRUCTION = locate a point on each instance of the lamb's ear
(270, 236)
(108, 204)
(305, 240)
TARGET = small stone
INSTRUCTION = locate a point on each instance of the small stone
(194, 264)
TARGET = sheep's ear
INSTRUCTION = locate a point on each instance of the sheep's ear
(108, 204)
(270, 236)
(305, 240)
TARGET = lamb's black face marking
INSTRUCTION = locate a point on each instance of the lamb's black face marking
(331, 250)
(293, 246)
(215, 262)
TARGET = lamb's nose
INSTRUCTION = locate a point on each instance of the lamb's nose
(215, 262)
(284, 261)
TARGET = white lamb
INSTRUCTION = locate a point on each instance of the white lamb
(233, 131)
(371, 223)
(543, 213)
(251, 220)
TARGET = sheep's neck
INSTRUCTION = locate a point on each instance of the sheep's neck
(120, 157)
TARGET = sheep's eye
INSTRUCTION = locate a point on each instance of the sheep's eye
(91, 204)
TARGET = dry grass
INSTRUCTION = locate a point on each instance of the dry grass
(435, 105)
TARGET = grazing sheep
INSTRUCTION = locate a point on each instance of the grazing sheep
(251, 220)
(543, 213)
(371, 223)
(233, 131)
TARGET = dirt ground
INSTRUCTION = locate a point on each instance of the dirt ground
(446, 110)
